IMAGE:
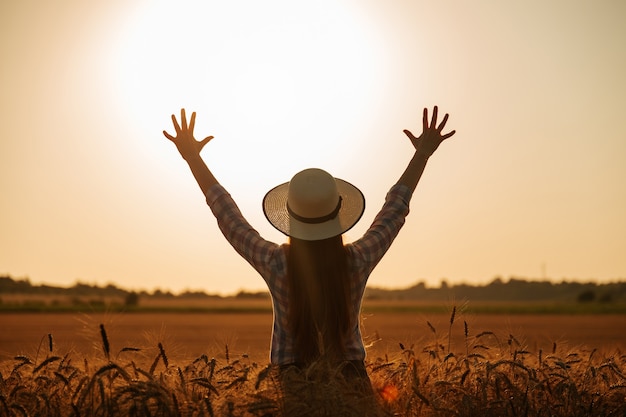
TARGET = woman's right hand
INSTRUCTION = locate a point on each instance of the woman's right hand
(186, 144)
(430, 139)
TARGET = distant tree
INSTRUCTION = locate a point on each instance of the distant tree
(497, 281)
(193, 294)
(9, 285)
(586, 296)
(132, 299)
(112, 291)
(255, 295)
(159, 293)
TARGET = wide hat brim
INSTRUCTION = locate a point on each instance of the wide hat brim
(351, 210)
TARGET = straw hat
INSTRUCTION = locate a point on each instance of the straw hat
(314, 205)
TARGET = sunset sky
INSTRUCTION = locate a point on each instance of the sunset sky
(532, 185)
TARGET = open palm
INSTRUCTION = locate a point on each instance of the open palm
(186, 144)
(431, 137)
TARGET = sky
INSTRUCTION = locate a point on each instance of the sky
(532, 185)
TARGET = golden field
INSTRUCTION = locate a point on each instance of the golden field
(422, 362)
(189, 335)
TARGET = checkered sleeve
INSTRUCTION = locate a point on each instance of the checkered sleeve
(369, 250)
(365, 253)
(259, 253)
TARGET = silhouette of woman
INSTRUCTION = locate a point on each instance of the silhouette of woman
(315, 280)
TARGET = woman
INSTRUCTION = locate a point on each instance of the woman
(316, 282)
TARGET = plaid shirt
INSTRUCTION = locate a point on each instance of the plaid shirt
(269, 260)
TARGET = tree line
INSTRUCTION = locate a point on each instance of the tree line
(513, 289)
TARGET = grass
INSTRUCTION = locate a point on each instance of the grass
(490, 375)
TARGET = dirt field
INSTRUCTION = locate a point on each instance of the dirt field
(187, 336)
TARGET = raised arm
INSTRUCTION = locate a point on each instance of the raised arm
(190, 148)
(425, 145)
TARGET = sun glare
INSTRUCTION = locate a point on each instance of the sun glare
(266, 73)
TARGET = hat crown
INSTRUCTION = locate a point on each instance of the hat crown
(312, 193)
(313, 205)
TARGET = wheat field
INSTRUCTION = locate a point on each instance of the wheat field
(432, 366)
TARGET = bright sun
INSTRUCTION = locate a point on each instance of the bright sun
(277, 74)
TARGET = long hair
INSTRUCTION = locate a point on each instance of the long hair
(319, 309)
